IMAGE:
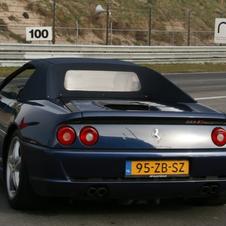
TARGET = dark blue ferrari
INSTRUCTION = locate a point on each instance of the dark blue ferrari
(95, 129)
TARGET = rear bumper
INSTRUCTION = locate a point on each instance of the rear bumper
(83, 174)
(126, 190)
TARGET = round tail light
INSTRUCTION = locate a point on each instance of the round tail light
(66, 135)
(89, 136)
(219, 136)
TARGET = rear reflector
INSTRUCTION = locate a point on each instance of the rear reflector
(66, 135)
(89, 136)
(219, 136)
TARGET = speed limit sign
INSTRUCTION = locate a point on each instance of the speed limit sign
(39, 34)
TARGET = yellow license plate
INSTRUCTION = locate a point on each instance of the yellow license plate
(157, 168)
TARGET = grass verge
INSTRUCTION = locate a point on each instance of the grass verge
(188, 68)
(4, 71)
(161, 68)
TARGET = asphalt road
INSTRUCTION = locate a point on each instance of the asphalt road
(207, 88)
(211, 87)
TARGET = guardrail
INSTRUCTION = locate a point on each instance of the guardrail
(18, 54)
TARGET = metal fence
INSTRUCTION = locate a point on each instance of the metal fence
(139, 37)
(18, 54)
(154, 25)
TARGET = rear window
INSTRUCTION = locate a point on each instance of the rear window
(112, 81)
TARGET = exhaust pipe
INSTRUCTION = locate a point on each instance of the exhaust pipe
(211, 189)
(102, 191)
(214, 189)
(205, 189)
(91, 191)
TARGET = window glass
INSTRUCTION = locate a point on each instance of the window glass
(15, 86)
(115, 81)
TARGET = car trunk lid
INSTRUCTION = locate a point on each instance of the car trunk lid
(135, 125)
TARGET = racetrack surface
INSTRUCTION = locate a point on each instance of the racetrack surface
(206, 88)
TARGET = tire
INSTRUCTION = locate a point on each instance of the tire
(209, 201)
(19, 191)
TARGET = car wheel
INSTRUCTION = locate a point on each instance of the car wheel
(19, 191)
(209, 201)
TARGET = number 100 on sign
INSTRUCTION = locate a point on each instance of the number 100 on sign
(39, 34)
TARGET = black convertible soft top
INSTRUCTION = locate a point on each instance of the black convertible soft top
(47, 82)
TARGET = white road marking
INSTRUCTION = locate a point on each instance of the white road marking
(210, 98)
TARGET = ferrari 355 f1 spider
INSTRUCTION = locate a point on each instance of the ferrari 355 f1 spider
(106, 129)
